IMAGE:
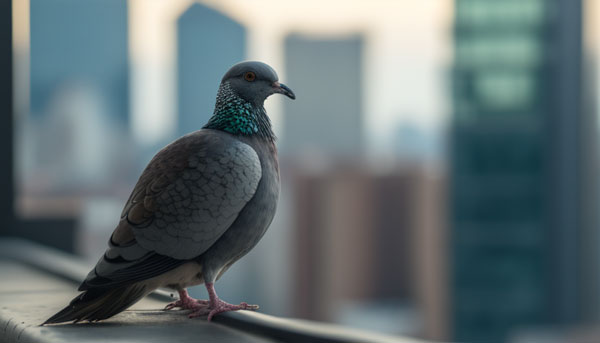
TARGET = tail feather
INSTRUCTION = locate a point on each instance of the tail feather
(99, 303)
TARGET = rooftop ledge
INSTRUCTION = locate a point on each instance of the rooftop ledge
(38, 281)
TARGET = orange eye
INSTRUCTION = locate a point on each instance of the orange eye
(249, 76)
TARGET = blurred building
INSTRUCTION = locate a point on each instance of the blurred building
(208, 43)
(417, 144)
(75, 137)
(327, 117)
(517, 156)
(367, 248)
(86, 47)
(73, 141)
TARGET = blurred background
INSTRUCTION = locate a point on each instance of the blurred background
(438, 166)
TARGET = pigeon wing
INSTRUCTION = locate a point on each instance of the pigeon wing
(180, 207)
(186, 198)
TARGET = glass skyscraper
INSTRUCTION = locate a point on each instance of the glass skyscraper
(515, 194)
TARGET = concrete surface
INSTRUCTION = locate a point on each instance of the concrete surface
(28, 297)
(37, 281)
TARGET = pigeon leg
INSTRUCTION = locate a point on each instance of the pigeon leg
(219, 306)
(187, 303)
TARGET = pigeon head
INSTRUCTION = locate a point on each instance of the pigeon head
(239, 108)
(255, 81)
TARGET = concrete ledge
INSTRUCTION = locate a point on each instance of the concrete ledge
(38, 281)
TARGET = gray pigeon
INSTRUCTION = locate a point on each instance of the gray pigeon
(202, 203)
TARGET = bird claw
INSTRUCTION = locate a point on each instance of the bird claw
(199, 312)
(249, 307)
(222, 306)
(172, 305)
(205, 307)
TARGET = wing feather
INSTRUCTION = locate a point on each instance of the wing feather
(186, 198)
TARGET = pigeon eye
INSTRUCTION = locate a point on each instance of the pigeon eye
(249, 76)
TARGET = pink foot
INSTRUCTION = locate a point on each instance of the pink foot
(187, 303)
(222, 306)
(219, 306)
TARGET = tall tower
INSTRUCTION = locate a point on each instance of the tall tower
(327, 76)
(208, 44)
(75, 43)
(515, 159)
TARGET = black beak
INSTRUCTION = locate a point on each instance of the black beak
(283, 89)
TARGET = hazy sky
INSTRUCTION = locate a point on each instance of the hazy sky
(406, 56)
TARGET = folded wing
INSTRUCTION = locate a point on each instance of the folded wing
(186, 198)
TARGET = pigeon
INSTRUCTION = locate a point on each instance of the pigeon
(203, 202)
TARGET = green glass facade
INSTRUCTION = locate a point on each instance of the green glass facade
(512, 201)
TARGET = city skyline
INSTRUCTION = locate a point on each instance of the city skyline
(395, 63)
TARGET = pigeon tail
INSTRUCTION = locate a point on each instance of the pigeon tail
(99, 303)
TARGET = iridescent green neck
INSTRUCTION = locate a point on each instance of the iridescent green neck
(239, 117)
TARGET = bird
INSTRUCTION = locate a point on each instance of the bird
(201, 203)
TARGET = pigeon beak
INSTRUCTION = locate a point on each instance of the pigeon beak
(283, 89)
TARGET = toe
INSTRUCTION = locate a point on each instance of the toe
(172, 305)
(245, 306)
(225, 307)
(199, 313)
